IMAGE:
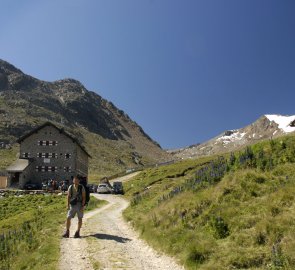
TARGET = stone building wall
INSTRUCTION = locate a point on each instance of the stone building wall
(81, 162)
(53, 155)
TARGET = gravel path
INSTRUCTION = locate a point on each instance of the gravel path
(108, 242)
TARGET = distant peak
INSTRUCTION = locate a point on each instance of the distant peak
(6, 67)
(284, 122)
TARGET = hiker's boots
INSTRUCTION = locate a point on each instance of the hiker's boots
(77, 234)
(66, 234)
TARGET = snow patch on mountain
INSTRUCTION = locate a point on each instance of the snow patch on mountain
(266, 127)
(282, 121)
(235, 136)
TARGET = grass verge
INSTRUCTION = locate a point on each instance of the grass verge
(230, 212)
(30, 230)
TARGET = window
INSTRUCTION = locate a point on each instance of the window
(67, 169)
(46, 169)
(26, 155)
(47, 143)
(54, 143)
(47, 155)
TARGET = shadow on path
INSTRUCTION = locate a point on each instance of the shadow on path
(109, 237)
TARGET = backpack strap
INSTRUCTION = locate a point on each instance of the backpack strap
(80, 188)
(71, 187)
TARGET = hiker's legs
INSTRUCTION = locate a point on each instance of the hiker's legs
(77, 233)
(68, 223)
(80, 217)
(79, 224)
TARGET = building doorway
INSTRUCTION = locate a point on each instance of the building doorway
(15, 179)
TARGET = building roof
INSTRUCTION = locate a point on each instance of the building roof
(18, 166)
(61, 130)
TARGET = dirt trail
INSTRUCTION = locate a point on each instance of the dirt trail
(108, 242)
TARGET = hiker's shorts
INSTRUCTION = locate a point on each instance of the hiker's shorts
(75, 209)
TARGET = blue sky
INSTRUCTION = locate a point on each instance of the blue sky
(185, 70)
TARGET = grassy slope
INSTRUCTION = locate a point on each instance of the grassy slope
(7, 156)
(243, 219)
(30, 230)
(108, 156)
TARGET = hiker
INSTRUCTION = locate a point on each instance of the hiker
(54, 185)
(75, 204)
(49, 184)
(64, 186)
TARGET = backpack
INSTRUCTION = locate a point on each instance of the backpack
(87, 193)
(83, 182)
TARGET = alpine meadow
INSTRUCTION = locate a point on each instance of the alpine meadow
(234, 211)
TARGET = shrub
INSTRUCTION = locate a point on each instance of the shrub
(220, 228)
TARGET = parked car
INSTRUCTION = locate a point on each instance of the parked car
(92, 188)
(118, 188)
(104, 188)
(31, 186)
(44, 186)
(95, 188)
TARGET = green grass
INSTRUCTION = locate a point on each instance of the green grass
(8, 156)
(94, 203)
(30, 230)
(243, 218)
(31, 226)
(108, 156)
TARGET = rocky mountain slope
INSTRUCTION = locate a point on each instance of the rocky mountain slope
(266, 127)
(110, 136)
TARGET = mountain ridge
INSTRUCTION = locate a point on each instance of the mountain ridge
(266, 127)
(108, 133)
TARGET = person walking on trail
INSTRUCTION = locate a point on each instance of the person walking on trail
(75, 204)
